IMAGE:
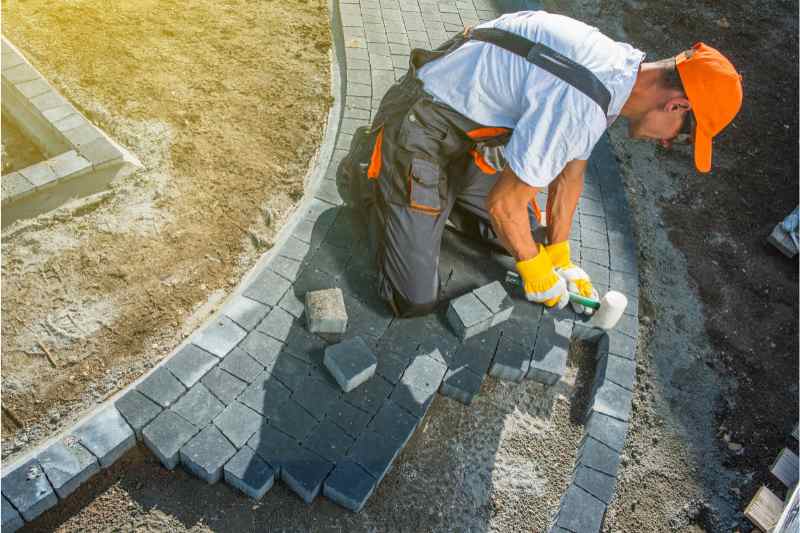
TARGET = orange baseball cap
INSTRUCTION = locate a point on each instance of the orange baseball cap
(714, 89)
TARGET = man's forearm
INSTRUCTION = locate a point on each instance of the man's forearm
(508, 210)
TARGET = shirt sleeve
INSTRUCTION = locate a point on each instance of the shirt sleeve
(547, 137)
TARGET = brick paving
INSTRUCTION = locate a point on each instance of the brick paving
(249, 399)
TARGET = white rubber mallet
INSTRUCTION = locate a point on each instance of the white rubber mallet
(607, 311)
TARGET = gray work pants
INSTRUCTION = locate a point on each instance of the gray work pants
(426, 177)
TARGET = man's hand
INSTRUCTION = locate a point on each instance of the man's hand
(507, 205)
(576, 278)
(541, 282)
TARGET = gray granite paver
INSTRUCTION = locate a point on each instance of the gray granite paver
(249, 473)
(329, 441)
(161, 387)
(349, 485)
(165, 436)
(267, 288)
(246, 312)
(206, 454)
(238, 423)
(224, 386)
(67, 465)
(11, 519)
(261, 347)
(305, 473)
(351, 363)
(106, 434)
(27, 489)
(138, 410)
(241, 365)
(190, 364)
(220, 336)
(198, 406)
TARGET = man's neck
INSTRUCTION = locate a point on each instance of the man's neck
(644, 91)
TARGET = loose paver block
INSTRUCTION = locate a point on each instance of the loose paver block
(138, 410)
(245, 311)
(351, 363)
(198, 406)
(316, 396)
(549, 361)
(393, 423)
(240, 364)
(238, 423)
(165, 436)
(190, 364)
(161, 387)
(325, 312)
(11, 519)
(374, 453)
(67, 464)
(329, 441)
(598, 484)
(224, 386)
(206, 454)
(511, 360)
(107, 435)
(349, 485)
(580, 511)
(468, 316)
(27, 489)
(496, 299)
(220, 336)
(249, 473)
(461, 384)
(305, 472)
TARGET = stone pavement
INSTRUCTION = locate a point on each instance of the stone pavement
(248, 399)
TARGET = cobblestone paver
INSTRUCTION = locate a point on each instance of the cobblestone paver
(250, 399)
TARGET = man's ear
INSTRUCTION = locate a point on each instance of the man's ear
(677, 104)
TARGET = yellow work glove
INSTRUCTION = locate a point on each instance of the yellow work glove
(540, 281)
(577, 279)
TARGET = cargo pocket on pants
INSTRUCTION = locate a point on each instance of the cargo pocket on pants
(423, 184)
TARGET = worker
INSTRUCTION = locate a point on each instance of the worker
(512, 107)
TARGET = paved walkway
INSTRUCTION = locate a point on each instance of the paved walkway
(249, 400)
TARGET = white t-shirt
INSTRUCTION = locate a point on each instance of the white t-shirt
(553, 122)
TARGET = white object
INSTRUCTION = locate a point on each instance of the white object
(571, 276)
(612, 306)
(553, 122)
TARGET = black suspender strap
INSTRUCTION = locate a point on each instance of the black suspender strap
(548, 59)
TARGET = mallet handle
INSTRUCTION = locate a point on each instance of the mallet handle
(583, 300)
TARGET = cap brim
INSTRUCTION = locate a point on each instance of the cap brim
(702, 151)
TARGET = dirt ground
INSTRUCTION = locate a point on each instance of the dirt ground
(224, 103)
(717, 364)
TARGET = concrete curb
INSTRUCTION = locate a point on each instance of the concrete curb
(255, 359)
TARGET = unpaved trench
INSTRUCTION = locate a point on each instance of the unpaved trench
(224, 103)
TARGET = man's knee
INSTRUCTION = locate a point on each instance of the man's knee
(406, 309)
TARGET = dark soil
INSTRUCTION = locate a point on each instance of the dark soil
(749, 290)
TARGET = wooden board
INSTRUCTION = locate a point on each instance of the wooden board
(785, 468)
(764, 510)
